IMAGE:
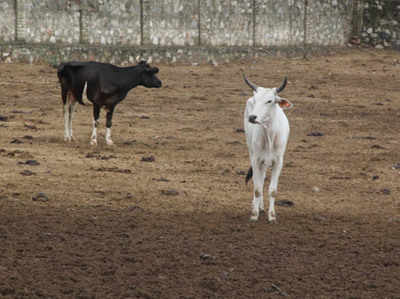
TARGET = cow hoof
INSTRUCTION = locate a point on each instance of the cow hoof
(93, 142)
(253, 218)
(67, 139)
(109, 142)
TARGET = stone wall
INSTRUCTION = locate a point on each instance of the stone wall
(180, 27)
(381, 23)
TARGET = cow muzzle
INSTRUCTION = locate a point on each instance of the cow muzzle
(253, 119)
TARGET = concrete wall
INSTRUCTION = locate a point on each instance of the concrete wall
(51, 21)
(226, 23)
(112, 22)
(329, 16)
(285, 28)
(143, 26)
(7, 20)
(171, 23)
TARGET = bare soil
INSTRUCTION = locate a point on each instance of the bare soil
(164, 213)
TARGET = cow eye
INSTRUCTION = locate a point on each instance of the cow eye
(269, 102)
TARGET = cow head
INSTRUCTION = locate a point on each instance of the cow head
(265, 101)
(148, 75)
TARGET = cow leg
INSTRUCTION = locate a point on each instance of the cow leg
(258, 182)
(273, 187)
(110, 111)
(64, 98)
(72, 107)
(96, 115)
(66, 121)
(68, 116)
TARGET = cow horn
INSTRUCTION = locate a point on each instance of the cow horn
(278, 90)
(252, 86)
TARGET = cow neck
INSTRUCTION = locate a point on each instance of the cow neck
(130, 77)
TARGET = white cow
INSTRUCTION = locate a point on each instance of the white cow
(267, 133)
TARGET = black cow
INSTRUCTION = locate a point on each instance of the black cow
(106, 85)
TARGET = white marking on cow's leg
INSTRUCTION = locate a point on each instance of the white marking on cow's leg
(108, 136)
(96, 116)
(273, 188)
(258, 182)
(71, 114)
(93, 138)
(66, 122)
(261, 204)
(84, 93)
(271, 209)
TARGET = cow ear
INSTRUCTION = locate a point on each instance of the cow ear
(284, 103)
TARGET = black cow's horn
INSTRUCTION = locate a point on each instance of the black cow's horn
(252, 86)
(278, 90)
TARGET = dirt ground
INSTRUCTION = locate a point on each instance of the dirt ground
(164, 213)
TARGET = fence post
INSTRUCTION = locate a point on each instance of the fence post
(254, 12)
(290, 7)
(141, 22)
(199, 22)
(145, 9)
(83, 28)
(305, 20)
(20, 20)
